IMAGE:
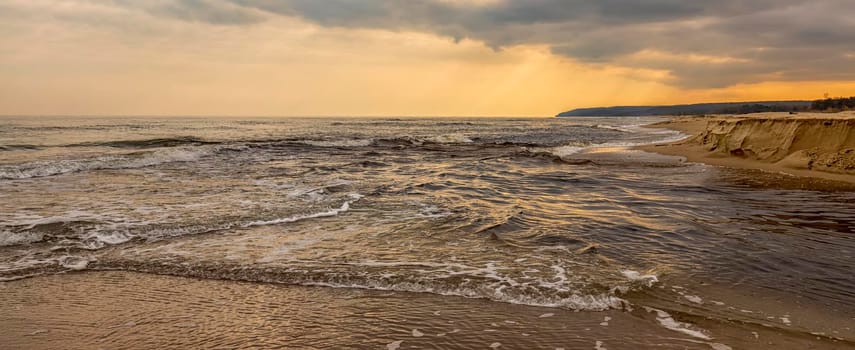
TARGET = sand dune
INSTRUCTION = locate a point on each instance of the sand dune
(807, 144)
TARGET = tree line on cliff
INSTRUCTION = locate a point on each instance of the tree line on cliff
(824, 105)
(836, 104)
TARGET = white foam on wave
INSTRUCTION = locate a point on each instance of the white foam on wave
(450, 138)
(658, 136)
(101, 238)
(694, 298)
(665, 320)
(581, 302)
(635, 276)
(430, 211)
(73, 262)
(18, 230)
(332, 212)
(315, 193)
(113, 236)
(339, 143)
(118, 161)
(30, 221)
(663, 135)
(621, 128)
(108, 230)
(118, 233)
(563, 151)
(501, 289)
(8, 238)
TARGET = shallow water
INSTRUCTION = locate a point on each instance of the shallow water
(551, 213)
(144, 311)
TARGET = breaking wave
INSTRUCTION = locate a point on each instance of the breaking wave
(338, 143)
(18, 147)
(150, 143)
(119, 161)
(85, 231)
(403, 140)
(9, 238)
(475, 283)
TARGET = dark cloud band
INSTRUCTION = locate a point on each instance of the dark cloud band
(757, 40)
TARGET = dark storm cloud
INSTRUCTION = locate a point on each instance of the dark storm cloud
(221, 12)
(763, 39)
(213, 11)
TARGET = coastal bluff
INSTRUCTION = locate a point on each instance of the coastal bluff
(809, 144)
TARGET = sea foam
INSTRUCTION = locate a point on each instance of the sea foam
(119, 161)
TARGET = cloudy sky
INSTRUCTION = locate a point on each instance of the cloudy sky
(415, 57)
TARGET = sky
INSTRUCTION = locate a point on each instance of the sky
(415, 57)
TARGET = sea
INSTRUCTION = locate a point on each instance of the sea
(388, 233)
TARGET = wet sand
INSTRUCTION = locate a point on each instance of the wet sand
(810, 145)
(142, 311)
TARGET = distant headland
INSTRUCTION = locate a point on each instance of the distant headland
(691, 109)
(837, 104)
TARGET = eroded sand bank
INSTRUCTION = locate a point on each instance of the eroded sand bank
(808, 144)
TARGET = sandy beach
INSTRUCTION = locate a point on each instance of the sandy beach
(811, 145)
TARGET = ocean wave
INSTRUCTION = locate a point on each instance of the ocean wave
(38, 229)
(72, 262)
(92, 232)
(564, 151)
(474, 283)
(10, 238)
(651, 136)
(159, 142)
(332, 212)
(537, 139)
(558, 153)
(121, 161)
(666, 321)
(18, 147)
(578, 302)
(149, 143)
(611, 127)
(635, 276)
(338, 143)
(449, 138)
(402, 140)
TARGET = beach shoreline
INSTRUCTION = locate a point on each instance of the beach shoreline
(807, 145)
(136, 310)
